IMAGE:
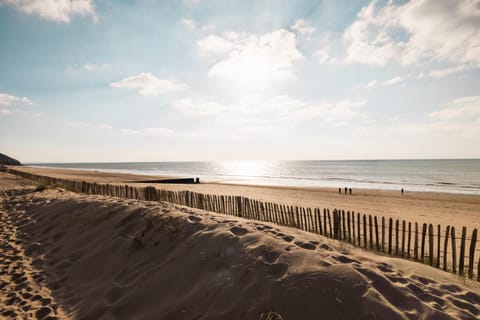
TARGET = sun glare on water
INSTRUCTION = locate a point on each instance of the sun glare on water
(246, 168)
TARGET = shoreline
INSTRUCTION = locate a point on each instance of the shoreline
(423, 207)
(232, 182)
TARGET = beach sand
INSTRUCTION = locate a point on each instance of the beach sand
(76, 256)
(423, 207)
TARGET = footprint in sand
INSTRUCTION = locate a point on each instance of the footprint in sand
(238, 231)
(287, 238)
(384, 267)
(345, 259)
(404, 301)
(326, 247)
(306, 245)
(42, 312)
(423, 280)
(269, 256)
(470, 297)
(193, 218)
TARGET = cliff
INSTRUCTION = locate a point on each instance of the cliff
(7, 161)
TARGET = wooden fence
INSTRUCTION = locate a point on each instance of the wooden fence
(424, 243)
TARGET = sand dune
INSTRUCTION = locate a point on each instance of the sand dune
(66, 255)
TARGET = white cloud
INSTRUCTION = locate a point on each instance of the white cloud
(466, 108)
(5, 111)
(154, 131)
(213, 44)
(188, 23)
(147, 84)
(260, 113)
(321, 55)
(303, 28)
(250, 59)
(104, 126)
(393, 81)
(54, 10)
(94, 67)
(387, 83)
(203, 108)
(371, 84)
(442, 73)
(8, 100)
(415, 31)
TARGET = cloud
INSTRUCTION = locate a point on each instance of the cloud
(321, 55)
(8, 100)
(251, 59)
(387, 83)
(5, 111)
(147, 84)
(393, 81)
(456, 124)
(188, 23)
(154, 131)
(94, 67)
(213, 44)
(442, 73)
(261, 113)
(303, 28)
(466, 108)
(415, 31)
(54, 10)
(371, 84)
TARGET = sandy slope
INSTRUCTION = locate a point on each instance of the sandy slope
(107, 258)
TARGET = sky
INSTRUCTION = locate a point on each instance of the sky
(186, 80)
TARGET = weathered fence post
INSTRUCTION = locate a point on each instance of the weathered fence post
(471, 256)
(364, 230)
(358, 229)
(329, 223)
(462, 252)
(396, 236)
(370, 229)
(390, 226)
(424, 234)
(415, 249)
(445, 248)
(454, 251)
(409, 239)
(349, 227)
(353, 228)
(430, 244)
(439, 230)
(383, 234)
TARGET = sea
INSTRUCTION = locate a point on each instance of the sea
(450, 176)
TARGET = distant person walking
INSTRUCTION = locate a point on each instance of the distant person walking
(350, 191)
(339, 190)
(402, 191)
(346, 190)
